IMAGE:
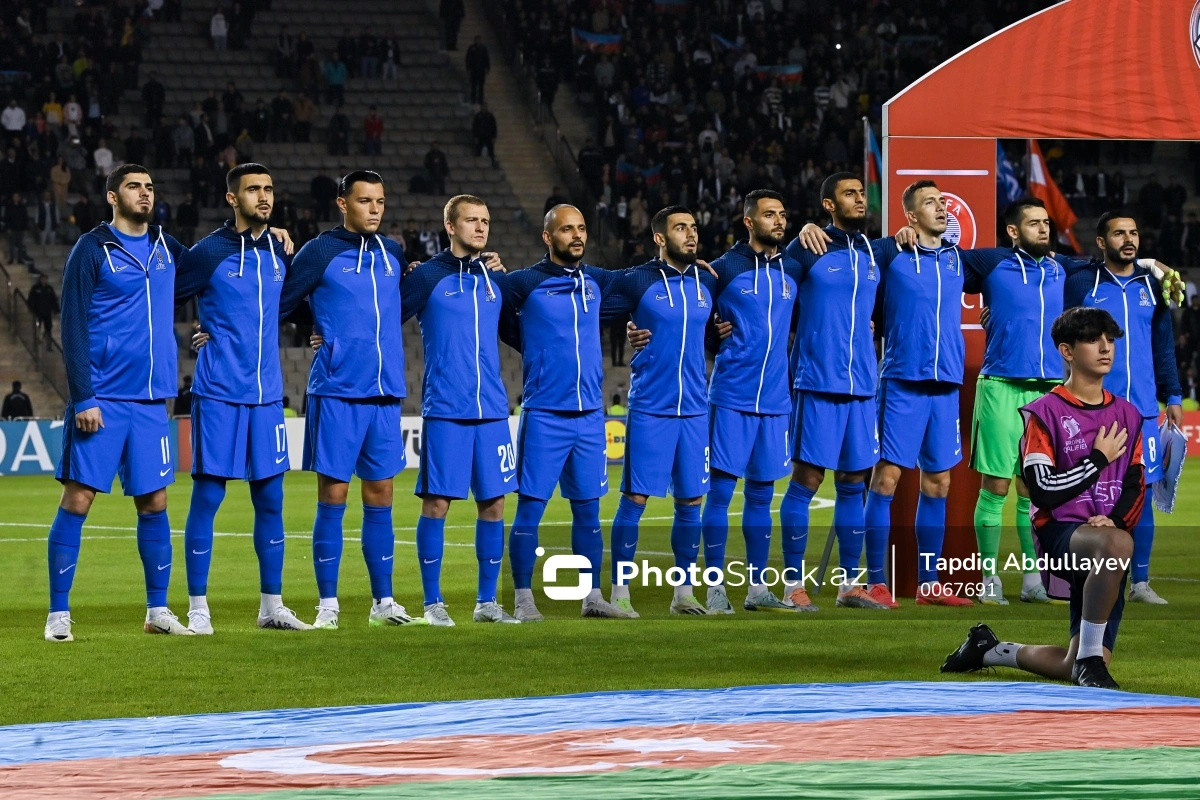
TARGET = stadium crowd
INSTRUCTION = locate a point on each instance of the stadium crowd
(699, 109)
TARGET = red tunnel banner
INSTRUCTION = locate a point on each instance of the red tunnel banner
(1083, 69)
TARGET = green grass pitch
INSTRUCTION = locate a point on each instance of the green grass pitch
(113, 669)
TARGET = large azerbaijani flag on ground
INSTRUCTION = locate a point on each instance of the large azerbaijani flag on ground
(872, 169)
(899, 740)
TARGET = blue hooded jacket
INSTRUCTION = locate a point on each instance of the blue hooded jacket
(238, 280)
(757, 294)
(458, 304)
(669, 374)
(922, 315)
(118, 316)
(1025, 295)
(555, 313)
(1144, 367)
(353, 285)
(834, 351)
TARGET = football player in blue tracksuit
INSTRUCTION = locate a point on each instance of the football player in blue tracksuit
(748, 396)
(1143, 370)
(666, 446)
(552, 312)
(238, 431)
(119, 347)
(919, 383)
(351, 276)
(834, 420)
(466, 443)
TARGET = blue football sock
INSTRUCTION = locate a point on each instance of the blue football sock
(931, 530)
(523, 539)
(849, 524)
(63, 555)
(756, 523)
(878, 519)
(685, 535)
(489, 552)
(587, 540)
(714, 522)
(327, 547)
(1143, 542)
(267, 497)
(154, 547)
(793, 527)
(431, 541)
(378, 547)
(207, 494)
(624, 536)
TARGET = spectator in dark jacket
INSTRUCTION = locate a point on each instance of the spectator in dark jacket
(479, 63)
(187, 219)
(483, 128)
(16, 222)
(437, 168)
(43, 302)
(16, 404)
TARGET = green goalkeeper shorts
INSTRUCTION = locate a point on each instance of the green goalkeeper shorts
(996, 425)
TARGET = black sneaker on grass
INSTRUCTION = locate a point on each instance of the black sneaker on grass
(1093, 672)
(969, 657)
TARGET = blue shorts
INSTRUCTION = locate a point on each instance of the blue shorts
(834, 431)
(750, 446)
(562, 448)
(666, 454)
(1054, 540)
(343, 438)
(238, 441)
(1152, 450)
(457, 455)
(134, 445)
(918, 424)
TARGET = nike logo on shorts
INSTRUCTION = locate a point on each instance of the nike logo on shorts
(280, 460)
(509, 478)
(605, 481)
(164, 473)
(705, 480)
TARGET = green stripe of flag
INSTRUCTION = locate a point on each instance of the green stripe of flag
(1161, 773)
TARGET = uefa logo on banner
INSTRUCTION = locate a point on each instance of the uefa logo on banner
(1194, 32)
(960, 221)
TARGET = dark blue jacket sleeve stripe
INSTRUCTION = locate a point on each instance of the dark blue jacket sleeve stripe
(79, 281)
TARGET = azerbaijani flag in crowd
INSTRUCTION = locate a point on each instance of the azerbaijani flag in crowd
(784, 73)
(872, 169)
(596, 42)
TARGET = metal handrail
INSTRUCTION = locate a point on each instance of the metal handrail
(47, 354)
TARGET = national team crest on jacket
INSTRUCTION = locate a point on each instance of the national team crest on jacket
(787, 290)
(702, 301)
(488, 293)
(588, 293)
(278, 271)
(162, 264)
(388, 272)
(1144, 297)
